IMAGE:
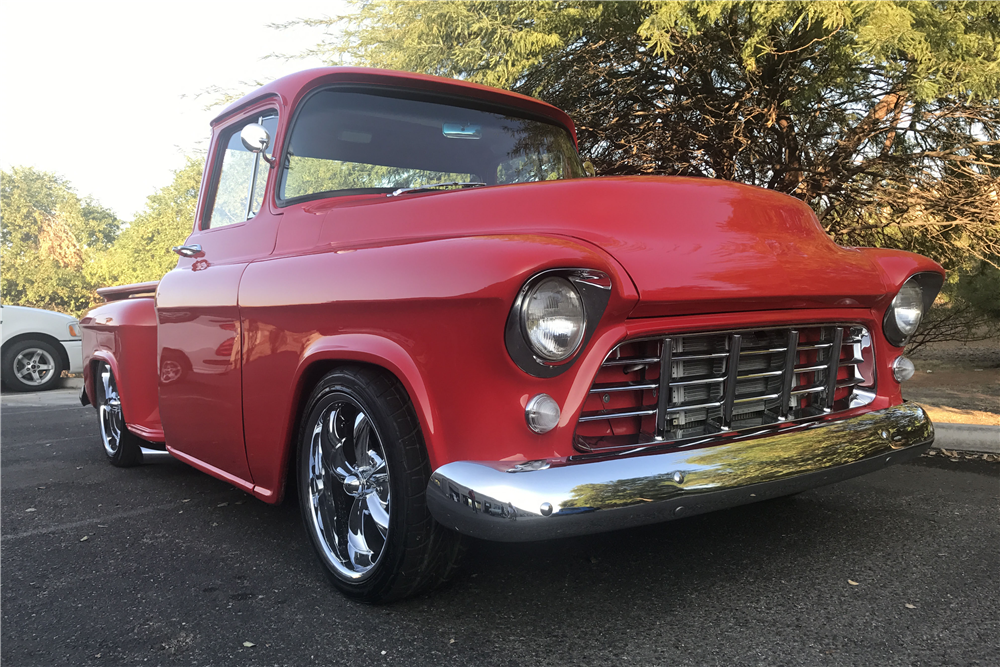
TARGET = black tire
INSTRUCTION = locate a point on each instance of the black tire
(362, 475)
(31, 365)
(122, 447)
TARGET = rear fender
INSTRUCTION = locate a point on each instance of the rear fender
(123, 335)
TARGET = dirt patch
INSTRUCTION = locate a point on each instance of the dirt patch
(958, 382)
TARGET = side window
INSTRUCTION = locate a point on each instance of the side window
(239, 191)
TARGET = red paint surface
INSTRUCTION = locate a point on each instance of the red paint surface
(421, 286)
(123, 334)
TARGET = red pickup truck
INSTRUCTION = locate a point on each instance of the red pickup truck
(406, 299)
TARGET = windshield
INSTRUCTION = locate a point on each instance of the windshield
(356, 143)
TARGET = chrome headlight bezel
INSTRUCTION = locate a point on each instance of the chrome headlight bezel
(926, 287)
(594, 290)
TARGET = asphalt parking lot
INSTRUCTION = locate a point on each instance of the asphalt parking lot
(164, 565)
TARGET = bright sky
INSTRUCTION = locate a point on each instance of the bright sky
(103, 93)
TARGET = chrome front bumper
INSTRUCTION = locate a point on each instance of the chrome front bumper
(540, 500)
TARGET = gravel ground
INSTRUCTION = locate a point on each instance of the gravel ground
(958, 382)
(163, 565)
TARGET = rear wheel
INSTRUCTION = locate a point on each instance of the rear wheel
(121, 445)
(362, 476)
(31, 365)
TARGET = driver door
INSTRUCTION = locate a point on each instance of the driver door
(199, 336)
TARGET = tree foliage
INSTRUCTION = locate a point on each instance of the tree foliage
(142, 252)
(58, 248)
(883, 116)
(48, 236)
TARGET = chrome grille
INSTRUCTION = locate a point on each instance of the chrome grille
(676, 387)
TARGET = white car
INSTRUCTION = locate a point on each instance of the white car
(38, 345)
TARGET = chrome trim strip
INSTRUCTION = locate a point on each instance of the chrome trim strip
(596, 493)
(771, 350)
(752, 399)
(618, 415)
(623, 387)
(693, 383)
(699, 357)
(697, 406)
(646, 361)
(755, 376)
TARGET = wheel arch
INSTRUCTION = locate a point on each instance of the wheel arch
(90, 377)
(329, 353)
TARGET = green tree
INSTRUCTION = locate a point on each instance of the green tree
(48, 236)
(883, 116)
(142, 251)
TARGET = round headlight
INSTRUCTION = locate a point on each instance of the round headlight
(553, 319)
(908, 308)
(904, 313)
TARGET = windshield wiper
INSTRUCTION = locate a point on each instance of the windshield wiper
(435, 186)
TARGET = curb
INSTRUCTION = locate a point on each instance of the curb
(71, 383)
(967, 438)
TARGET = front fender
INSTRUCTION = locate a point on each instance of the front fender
(433, 313)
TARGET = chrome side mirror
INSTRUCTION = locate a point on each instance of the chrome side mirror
(256, 140)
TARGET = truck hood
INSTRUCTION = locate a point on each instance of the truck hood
(691, 246)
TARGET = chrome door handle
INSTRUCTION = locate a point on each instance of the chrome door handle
(192, 250)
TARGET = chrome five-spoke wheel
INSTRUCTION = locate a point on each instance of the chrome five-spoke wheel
(34, 366)
(31, 364)
(348, 488)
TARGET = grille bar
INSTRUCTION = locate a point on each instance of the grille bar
(831, 374)
(663, 397)
(686, 386)
(788, 374)
(732, 366)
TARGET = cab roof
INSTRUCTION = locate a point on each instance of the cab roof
(290, 90)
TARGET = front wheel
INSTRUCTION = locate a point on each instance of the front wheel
(121, 445)
(362, 476)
